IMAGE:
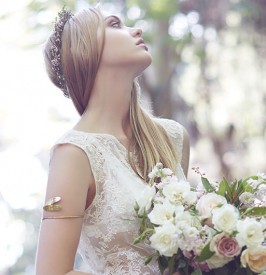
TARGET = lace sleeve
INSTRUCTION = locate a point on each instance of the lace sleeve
(176, 131)
(84, 142)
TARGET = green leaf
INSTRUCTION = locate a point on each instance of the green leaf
(208, 187)
(240, 189)
(149, 258)
(222, 188)
(171, 264)
(197, 272)
(256, 211)
(162, 262)
(143, 235)
(205, 254)
(228, 190)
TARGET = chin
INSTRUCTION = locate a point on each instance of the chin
(144, 64)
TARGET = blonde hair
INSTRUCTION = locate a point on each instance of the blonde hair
(81, 52)
(151, 143)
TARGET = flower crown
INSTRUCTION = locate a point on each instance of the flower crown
(56, 40)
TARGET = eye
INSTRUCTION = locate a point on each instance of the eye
(115, 24)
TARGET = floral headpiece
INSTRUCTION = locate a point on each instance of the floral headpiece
(56, 39)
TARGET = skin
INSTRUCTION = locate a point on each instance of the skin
(70, 174)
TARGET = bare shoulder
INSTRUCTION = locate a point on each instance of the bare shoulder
(70, 175)
(68, 151)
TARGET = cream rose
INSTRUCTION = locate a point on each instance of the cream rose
(162, 213)
(208, 202)
(255, 258)
(217, 261)
(175, 191)
(225, 218)
(250, 232)
(165, 239)
(145, 199)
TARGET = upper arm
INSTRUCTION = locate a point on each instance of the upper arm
(69, 177)
(185, 152)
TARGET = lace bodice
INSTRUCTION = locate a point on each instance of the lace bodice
(106, 241)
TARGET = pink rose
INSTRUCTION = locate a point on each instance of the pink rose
(225, 246)
(228, 247)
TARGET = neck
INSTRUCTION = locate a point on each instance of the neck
(108, 108)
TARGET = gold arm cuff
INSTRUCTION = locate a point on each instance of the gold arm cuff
(62, 217)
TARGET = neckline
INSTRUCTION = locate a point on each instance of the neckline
(114, 138)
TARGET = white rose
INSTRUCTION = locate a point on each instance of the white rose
(175, 191)
(165, 181)
(218, 261)
(145, 199)
(155, 170)
(207, 202)
(167, 171)
(165, 239)
(225, 218)
(185, 217)
(162, 213)
(250, 233)
(190, 197)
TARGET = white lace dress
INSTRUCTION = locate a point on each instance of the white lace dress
(106, 241)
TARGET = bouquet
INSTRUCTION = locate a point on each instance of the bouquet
(209, 229)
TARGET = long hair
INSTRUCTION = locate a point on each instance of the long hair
(81, 51)
(151, 144)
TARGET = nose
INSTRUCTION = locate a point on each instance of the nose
(136, 32)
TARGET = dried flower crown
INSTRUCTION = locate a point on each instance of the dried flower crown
(56, 40)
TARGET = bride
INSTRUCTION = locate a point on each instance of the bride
(99, 168)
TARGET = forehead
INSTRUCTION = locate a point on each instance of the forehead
(106, 15)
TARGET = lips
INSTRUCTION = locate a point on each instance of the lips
(141, 43)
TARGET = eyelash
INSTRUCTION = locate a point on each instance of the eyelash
(116, 24)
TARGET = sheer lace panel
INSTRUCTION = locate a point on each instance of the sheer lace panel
(109, 227)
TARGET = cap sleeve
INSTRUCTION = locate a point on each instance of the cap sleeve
(176, 131)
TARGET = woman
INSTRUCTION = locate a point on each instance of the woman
(99, 168)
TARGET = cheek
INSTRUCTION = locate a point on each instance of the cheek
(121, 51)
(116, 50)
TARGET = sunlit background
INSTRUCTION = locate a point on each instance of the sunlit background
(209, 73)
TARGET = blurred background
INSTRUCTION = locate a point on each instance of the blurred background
(208, 73)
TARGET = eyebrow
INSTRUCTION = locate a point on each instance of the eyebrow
(114, 16)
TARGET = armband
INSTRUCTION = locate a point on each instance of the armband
(51, 206)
